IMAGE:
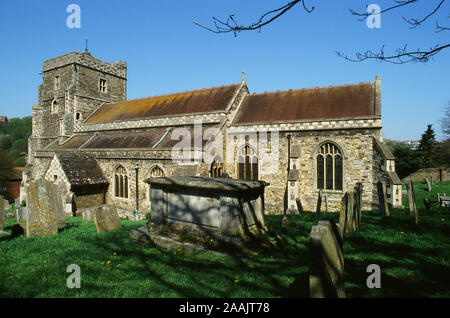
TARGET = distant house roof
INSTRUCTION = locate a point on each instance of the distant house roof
(197, 101)
(353, 100)
(81, 169)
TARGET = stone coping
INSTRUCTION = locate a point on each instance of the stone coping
(219, 184)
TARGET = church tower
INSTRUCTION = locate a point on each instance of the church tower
(73, 86)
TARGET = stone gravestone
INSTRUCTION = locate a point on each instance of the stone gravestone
(17, 203)
(326, 270)
(21, 215)
(45, 212)
(382, 199)
(428, 204)
(428, 184)
(6, 205)
(350, 213)
(319, 203)
(343, 215)
(358, 202)
(412, 201)
(299, 205)
(106, 218)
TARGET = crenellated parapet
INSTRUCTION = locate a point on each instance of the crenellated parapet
(86, 59)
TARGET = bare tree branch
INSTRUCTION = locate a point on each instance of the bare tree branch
(400, 3)
(401, 55)
(415, 22)
(231, 24)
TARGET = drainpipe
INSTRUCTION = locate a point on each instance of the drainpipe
(288, 169)
(137, 191)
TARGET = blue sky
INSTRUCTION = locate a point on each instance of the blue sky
(167, 53)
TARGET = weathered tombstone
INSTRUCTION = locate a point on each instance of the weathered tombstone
(17, 203)
(299, 205)
(326, 270)
(412, 201)
(21, 215)
(382, 199)
(343, 215)
(106, 218)
(358, 202)
(319, 203)
(6, 205)
(1, 213)
(286, 221)
(428, 205)
(44, 209)
(428, 184)
(88, 214)
(350, 212)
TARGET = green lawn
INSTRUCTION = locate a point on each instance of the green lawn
(414, 260)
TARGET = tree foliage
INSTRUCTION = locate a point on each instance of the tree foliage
(407, 160)
(14, 139)
(428, 147)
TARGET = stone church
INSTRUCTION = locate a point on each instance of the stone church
(99, 147)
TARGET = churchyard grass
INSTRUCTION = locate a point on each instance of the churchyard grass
(414, 260)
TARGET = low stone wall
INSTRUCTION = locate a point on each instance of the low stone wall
(438, 174)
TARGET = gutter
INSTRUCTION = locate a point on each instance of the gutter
(162, 138)
(89, 140)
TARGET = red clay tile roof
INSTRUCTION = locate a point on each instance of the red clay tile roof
(198, 101)
(311, 103)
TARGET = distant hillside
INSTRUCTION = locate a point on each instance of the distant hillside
(14, 139)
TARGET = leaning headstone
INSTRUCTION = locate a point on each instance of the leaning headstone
(382, 199)
(299, 205)
(6, 205)
(1, 213)
(326, 270)
(319, 203)
(412, 201)
(21, 215)
(88, 214)
(44, 209)
(106, 218)
(286, 221)
(428, 204)
(343, 215)
(358, 202)
(428, 184)
(350, 212)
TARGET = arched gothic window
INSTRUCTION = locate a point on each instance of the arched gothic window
(247, 163)
(216, 168)
(156, 172)
(329, 167)
(54, 106)
(121, 182)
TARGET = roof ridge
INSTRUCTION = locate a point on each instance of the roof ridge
(177, 93)
(310, 88)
